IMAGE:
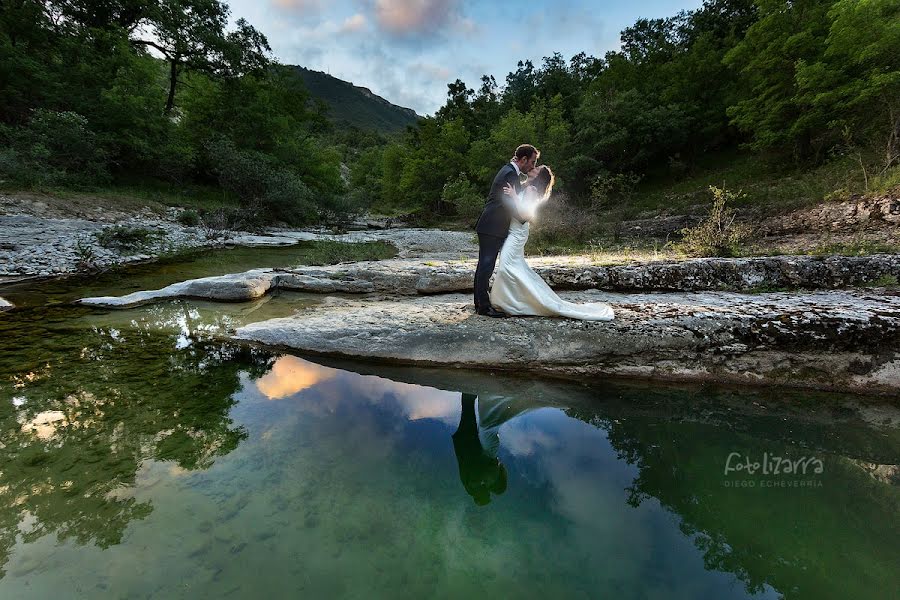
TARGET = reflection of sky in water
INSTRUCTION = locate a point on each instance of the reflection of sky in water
(291, 375)
(352, 485)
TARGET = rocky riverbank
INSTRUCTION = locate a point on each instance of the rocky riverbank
(32, 246)
(415, 276)
(839, 340)
(409, 312)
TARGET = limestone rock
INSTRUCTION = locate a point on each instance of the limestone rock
(830, 340)
(227, 288)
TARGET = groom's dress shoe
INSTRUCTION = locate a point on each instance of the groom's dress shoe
(493, 312)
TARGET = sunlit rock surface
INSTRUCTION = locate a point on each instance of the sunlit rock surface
(227, 288)
(5, 304)
(837, 339)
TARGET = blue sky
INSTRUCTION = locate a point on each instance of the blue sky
(408, 50)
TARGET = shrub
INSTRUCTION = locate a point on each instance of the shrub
(258, 181)
(54, 147)
(189, 218)
(609, 190)
(464, 196)
(559, 221)
(718, 234)
(122, 237)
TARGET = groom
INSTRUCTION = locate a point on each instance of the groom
(493, 225)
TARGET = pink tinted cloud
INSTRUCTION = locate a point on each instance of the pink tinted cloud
(354, 23)
(410, 17)
(299, 6)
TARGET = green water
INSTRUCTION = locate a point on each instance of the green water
(142, 458)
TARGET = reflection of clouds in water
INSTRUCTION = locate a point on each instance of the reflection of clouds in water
(291, 375)
(588, 485)
(44, 424)
(527, 439)
(575, 460)
(413, 401)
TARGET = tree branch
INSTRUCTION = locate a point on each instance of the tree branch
(153, 45)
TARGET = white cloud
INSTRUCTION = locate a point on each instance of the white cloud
(353, 24)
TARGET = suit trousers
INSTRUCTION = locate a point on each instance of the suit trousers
(488, 249)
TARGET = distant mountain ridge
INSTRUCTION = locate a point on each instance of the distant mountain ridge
(356, 105)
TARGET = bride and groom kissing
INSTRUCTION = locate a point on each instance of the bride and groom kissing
(503, 230)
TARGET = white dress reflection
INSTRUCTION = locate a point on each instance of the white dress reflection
(477, 442)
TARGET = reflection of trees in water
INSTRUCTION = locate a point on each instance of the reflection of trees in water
(126, 396)
(837, 540)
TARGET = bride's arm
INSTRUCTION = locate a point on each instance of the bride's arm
(517, 207)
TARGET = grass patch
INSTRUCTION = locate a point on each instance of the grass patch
(762, 184)
(854, 248)
(133, 196)
(329, 252)
(885, 281)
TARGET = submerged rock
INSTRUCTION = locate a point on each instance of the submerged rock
(829, 340)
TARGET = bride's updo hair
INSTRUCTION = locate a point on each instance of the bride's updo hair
(543, 181)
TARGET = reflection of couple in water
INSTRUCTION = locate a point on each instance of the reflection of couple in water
(476, 442)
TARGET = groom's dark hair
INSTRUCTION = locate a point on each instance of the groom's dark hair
(526, 151)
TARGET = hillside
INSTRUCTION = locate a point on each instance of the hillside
(356, 105)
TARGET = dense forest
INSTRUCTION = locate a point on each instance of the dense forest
(97, 92)
(795, 83)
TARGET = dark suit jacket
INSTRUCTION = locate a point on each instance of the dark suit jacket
(494, 219)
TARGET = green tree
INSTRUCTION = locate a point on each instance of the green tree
(855, 84)
(190, 35)
(786, 36)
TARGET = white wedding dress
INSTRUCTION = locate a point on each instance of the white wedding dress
(517, 290)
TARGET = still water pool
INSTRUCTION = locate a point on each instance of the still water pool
(141, 457)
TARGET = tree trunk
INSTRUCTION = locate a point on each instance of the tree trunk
(173, 80)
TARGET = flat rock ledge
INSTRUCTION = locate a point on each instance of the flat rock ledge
(837, 340)
(415, 276)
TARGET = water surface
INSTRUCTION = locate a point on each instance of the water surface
(142, 457)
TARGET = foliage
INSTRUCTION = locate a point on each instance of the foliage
(54, 147)
(114, 93)
(462, 194)
(608, 190)
(718, 234)
(261, 184)
(126, 238)
(799, 84)
(189, 218)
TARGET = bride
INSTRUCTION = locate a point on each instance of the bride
(518, 290)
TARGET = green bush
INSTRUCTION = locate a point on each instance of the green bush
(53, 147)
(609, 190)
(189, 218)
(718, 234)
(464, 196)
(123, 237)
(258, 181)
